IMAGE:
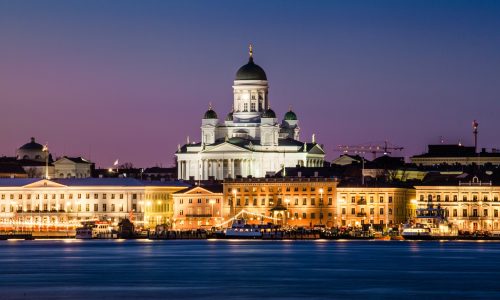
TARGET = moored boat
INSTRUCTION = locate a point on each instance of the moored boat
(431, 224)
(241, 230)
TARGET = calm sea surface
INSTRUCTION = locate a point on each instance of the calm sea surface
(220, 269)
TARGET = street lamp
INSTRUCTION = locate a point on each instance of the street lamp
(287, 201)
(233, 206)
(321, 206)
(212, 202)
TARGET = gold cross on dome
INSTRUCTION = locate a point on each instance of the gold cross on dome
(250, 50)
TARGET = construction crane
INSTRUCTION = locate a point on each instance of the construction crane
(374, 148)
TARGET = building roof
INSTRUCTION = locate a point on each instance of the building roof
(32, 145)
(251, 71)
(11, 168)
(214, 188)
(78, 160)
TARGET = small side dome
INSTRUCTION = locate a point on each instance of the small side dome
(210, 113)
(290, 116)
(269, 113)
(229, 116)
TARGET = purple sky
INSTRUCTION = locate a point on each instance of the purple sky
(131, 79)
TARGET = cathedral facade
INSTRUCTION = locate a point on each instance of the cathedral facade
(249, 141)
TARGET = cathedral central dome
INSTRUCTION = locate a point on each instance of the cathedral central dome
(251, 71)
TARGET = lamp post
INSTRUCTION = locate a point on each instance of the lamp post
(321, 206)
(212, 202)
(287, 201)
(233, 206)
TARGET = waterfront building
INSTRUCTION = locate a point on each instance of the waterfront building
(456, 154)
(381, 205)
(159, 202)
(470, 202)
(61, 204)
(72, 167)
(198, 207)
(293, 201)
(249, 141)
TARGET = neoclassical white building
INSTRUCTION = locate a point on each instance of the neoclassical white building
(250, 141)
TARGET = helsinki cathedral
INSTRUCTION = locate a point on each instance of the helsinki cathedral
(249, 141)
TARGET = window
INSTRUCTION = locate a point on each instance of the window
(245, 107)
(252, 106)
(20, 197)
(304, 201)
(263, 202)
(353, 199)
(96, 196)
(329, 189)
(238, 202)
(113, 207)
(79, 207)
(190, 201)
(181, 201)
(390, 211)
(381, 210)
(296, 215)
(296, 201)
(447, 198)
(104, 196)
(121, 207)
(455, 198)
(495, 198)
(112, 196)
(87, 207)
(353, 211)
(438, 197)
(121, 196)
(390, 199)
(313, 189)
(79, 196)
(304, 215)
(313, 216)
(372, 211)
(134, 196)
(455, 213)
(246, 201)
(330, 201)
(134, 207)
(254, 201)
(464, 198)
(495, 213)
(199, 201)
(343, 210)
(474, 198)
(96, 207)
(485, 213)
(313, 202)
(421, 197)
(87, 196)
(464, 213)
(181, 212)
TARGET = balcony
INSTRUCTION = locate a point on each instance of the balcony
(198, 216)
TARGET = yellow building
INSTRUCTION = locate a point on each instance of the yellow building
(198, 207)
(471, 205)
(291, 201)
(159, 202)
(381, 206)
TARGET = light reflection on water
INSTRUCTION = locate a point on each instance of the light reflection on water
(248, 269)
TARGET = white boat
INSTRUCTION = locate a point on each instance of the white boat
(430, 224)
(241, 230)
(95, 230)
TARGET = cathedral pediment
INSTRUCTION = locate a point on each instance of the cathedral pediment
(44, 183)
(316, 149)
(226, 147)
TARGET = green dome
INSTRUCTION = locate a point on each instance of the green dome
(269, 113)
(210, 114)
(290, 116)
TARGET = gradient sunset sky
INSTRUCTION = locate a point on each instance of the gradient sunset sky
(132, 79)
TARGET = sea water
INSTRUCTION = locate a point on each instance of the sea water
(226, 269)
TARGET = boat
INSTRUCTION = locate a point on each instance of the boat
(95, 230)
(241, 230)
(430, 224)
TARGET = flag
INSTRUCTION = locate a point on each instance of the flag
(115, 163)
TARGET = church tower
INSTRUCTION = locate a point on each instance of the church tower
(250, 92)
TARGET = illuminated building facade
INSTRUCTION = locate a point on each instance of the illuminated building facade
(305, 202)
(470, 204)
(61, 204)
(198, 207)
(380, 206)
